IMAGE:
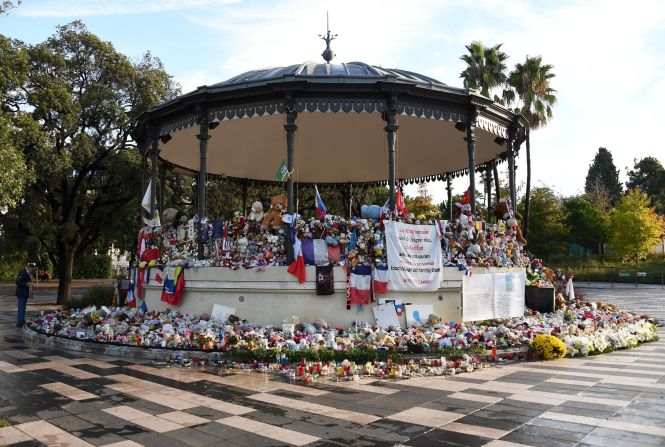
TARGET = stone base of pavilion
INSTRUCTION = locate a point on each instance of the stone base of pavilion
(271, 296)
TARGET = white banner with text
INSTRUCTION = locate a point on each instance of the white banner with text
(414, 257)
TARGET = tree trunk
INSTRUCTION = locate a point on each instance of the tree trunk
(65, 272)
(527, 197)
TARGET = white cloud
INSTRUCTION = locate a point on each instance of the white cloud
(89, 8)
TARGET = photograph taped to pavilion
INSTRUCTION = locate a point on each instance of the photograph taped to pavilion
(414, 257)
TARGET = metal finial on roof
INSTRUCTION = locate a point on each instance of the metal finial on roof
(328, 54)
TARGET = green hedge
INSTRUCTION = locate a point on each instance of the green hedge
(357, 355)
(93, 267)
(97, 295)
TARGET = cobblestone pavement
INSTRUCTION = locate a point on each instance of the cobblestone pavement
(52, 397)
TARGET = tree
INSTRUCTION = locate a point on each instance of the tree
(550, 235)
(649, 176)
(486, 68)
(84, 99)
(6, 5)
(603, 177)
(635, 228)
(530, 92)
(588, 224)
(14, 174)
(13, 73)
(421, 206)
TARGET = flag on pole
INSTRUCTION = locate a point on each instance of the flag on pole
(283, 172)
(466, 199)
(147, 198)
(400, 206)
(321, 209)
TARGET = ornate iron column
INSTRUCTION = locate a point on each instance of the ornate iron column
(449, 188)
(497, 186)
(144, 153)
(390, 117)
(516, 150)
(488, 189)
(162, 182)
(290, 128)
(471, 151)
(244, 196)
(203, 138)
(153, 184)
(511, 164)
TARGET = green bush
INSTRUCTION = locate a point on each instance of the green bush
(10, 265)
(93, 267)
(97, 295)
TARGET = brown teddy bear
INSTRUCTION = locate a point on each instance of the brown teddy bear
(503, 210)
(273, 217)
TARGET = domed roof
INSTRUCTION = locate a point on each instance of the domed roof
(357, 71)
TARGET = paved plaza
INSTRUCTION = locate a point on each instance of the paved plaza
(51, 397)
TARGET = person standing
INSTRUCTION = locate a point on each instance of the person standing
(24, 291)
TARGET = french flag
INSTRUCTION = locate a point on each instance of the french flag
(360, 285)
(317, 252)
(321, 209)
(380, 279)
(297, 267)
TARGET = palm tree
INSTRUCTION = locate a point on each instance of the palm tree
(486, 68)
(529, 89)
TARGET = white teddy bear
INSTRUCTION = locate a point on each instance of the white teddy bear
(257, 213)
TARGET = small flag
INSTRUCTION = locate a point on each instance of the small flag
(400, 206)
(144, 307)
(466, 199)
(147, 198)
(297, 267)
(283, 172)
(360, 285)
(321, 209)
(380, 279)
(317, 252)
(131, 292)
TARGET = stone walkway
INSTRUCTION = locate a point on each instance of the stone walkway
(69, 399)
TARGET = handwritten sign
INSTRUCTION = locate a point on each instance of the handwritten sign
(493, 295)
(414, 257)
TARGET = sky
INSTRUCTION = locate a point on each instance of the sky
(607, 55)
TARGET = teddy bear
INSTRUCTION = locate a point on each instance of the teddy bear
(273, 217)
(257, 214)
(503, 210)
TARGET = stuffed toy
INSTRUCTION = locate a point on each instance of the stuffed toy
(173, 217)
(502, 210)
(273, 217)
(373, 212)
(257, 213)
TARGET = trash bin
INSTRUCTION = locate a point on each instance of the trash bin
(540, 299)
